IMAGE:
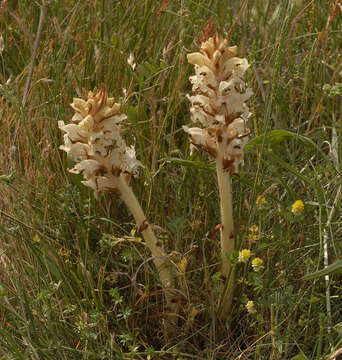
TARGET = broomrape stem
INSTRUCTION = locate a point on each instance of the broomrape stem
(218, 104)
(160, 259)
(226, 232)
(105, 167)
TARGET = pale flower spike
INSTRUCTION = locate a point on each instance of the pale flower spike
(218, 106)
(93, 140)
(218, 103)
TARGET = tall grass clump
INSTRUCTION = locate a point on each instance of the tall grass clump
(78, 279)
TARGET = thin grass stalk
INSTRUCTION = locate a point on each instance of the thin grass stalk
(320, 337)
(35, 49)
(326, 258)
(275, 353)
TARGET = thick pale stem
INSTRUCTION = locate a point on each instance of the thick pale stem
(227, 230)
(160, 259)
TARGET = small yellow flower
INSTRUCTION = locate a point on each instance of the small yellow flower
(260, 201)
(250, 307)
(297, 207)
(244, 255)
(36, 239)
(257, 264)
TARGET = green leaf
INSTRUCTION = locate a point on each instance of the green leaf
(189, 163)
(289, 167)
(8, 179)
(274, 137)
(336, 267)
(299, 357)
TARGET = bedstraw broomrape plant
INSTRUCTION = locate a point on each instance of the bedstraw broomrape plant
(218, 104)
(93, 140)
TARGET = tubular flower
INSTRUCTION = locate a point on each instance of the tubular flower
(218, 101)
(93, 140)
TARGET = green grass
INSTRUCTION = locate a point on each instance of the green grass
(75, 280)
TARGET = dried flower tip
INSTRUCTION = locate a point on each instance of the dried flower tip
(297, 207)
(182, 265)
(131, 61)
(254, 229)
(244, 255)
(253, 233)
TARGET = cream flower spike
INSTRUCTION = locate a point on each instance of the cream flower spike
(218, 103)
(93, 140)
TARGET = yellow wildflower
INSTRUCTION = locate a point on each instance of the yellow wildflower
(250, 307)
(260, 201)
(36, 239)
(244, 255)
(297, 207)
(257, 264)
